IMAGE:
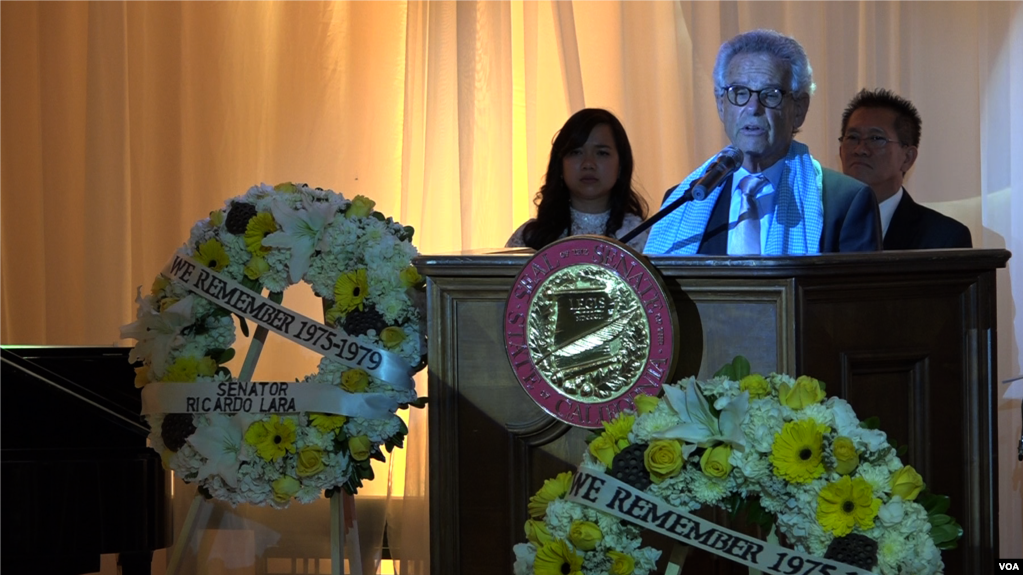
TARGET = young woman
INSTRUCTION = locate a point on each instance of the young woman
(588, 186)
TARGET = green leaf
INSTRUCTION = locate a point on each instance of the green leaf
(935, 504)
(378, 216)
(244, 325)
(740, 369)
(873, 422)
(940, 519)
(947, 532)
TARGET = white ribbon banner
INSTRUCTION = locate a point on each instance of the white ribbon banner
(605, 493)
(263, 397)
(328, 342)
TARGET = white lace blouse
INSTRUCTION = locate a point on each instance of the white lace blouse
(584, 223)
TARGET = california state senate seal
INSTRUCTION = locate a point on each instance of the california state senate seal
(587, 327)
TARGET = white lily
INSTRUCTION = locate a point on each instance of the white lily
(221, 444)
(699, 427)
(157, 332)
(301, 231)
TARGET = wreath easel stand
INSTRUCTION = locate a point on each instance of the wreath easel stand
(343, 524)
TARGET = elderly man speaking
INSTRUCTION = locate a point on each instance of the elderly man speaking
(780, 200)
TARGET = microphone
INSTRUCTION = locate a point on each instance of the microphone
(724, 165)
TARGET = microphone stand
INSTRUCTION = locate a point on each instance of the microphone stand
(686, 197)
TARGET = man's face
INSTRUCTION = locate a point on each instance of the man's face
(882, 168)
(763, 134)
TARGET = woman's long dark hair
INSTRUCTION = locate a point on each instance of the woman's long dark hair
(552, 215)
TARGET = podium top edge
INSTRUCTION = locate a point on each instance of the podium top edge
(508, 262)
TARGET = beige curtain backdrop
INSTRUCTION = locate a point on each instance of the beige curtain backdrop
(125, 122)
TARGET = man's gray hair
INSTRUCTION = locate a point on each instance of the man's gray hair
(769, 42)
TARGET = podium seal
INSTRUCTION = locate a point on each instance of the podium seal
(587, 327)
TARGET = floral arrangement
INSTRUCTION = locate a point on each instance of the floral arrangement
(774, 447)
(270, 238)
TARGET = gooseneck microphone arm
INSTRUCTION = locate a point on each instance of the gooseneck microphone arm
(724, 165)
(649, 222)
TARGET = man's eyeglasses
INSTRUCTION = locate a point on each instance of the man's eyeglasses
(852, 141)
(769, 97)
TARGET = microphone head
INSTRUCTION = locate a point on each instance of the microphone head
(732, 155)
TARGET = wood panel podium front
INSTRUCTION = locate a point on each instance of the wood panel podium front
(906, 336)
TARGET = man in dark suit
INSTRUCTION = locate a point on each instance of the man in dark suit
(780, 201)
(879, 144)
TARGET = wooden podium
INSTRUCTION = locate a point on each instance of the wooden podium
(906, 336)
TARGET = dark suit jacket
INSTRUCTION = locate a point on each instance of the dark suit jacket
(915, 227)
(851, 220)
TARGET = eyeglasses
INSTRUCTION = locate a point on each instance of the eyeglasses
(768, 97)
(852, 141)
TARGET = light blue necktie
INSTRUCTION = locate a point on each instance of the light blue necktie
(746, 234)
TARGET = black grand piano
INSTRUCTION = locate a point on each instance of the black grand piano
(76, 477)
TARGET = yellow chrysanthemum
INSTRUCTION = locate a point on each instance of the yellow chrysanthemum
(349, 291)
(327, 422)
(217, 218)
(187, 369)
(619, 429)
(845, 504)
(212, 255)
(556, 558)
(551, 490)
(259, 226)
(796, 452)
(756, 385)
(392, 336)
(272, 439)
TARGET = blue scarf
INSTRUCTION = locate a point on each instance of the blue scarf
(794, 227)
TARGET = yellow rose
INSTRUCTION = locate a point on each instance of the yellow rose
(217, 217)
(845, 455)
(159, 284)
(907, 483)
(603, 448)
(584, 535)
(167, 302)
(663, 459)
(360, 447)
(285, 187)
(536, 532)
(645, 403)
(354, 381)
(256, 267)
(756, 385)
(141, 376)
(621, 564)
(310, 461)
(551, 490)
(360, 208)
(806, 391)
(410, 277)
(392, 336)
(714, 461)
(165, 458)
(284, 488)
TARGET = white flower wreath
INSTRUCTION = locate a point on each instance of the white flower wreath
(270, 238)
(775, 447)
